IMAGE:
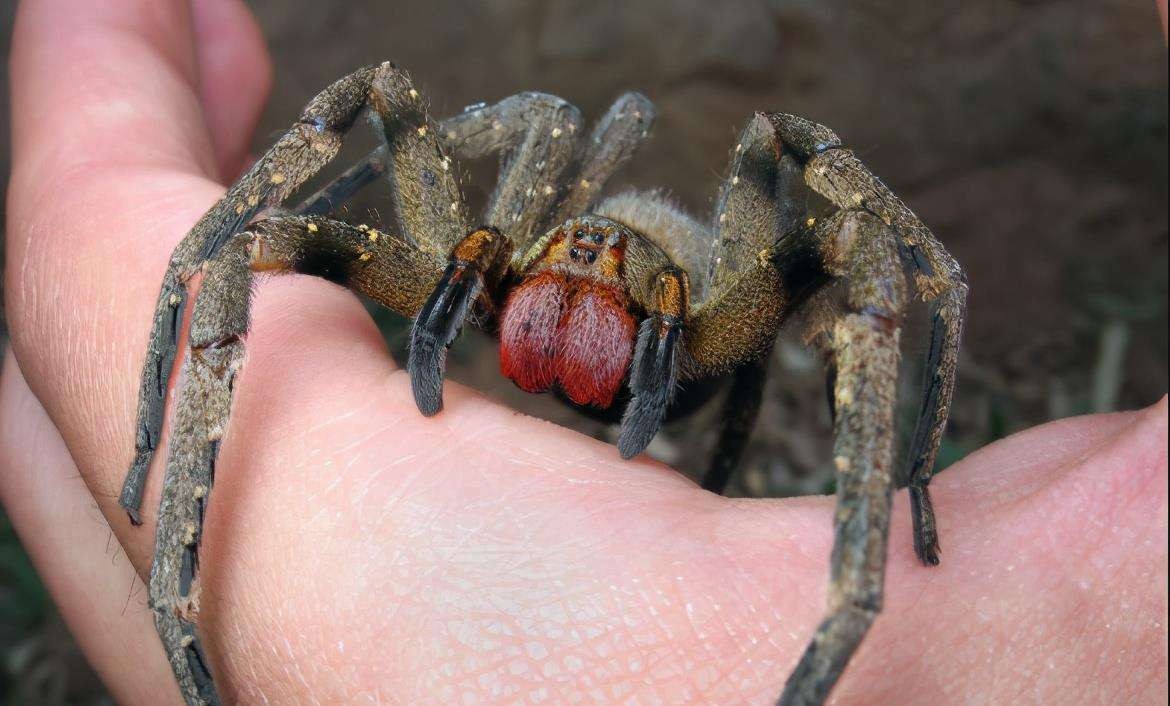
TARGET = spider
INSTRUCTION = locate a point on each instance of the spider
(616, 303)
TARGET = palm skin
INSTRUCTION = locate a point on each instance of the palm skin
(356, 550)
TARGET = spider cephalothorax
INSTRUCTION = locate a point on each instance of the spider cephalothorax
(612, 302)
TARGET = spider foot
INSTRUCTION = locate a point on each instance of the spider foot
(925, 529)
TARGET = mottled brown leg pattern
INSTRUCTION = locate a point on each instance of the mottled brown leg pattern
(864, 347)
(380, 265)
(431, 216)
(296, 156)
(839, 176)
(399, 271)
(536, 135)
(218, 324)
(483, 130)
(614, 140)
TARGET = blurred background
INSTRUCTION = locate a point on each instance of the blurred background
(1031, 135)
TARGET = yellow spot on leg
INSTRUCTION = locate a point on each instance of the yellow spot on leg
(253, 200)
(844, 397)
(312, 227)
(174, 300)
(277, 178)
(842, 463)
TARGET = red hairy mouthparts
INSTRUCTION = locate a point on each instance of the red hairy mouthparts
(576, 332)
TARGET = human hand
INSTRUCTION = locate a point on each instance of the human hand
(357, 551)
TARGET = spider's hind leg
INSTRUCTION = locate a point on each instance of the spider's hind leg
(863, 345)
(536, 135)
(838, 175)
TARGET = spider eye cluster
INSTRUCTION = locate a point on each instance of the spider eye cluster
(590, 256)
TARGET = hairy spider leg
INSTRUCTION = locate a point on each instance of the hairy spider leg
(380, 265)
(311, 142)
(474, 133)
(536, 136)
(613, 141)
(863, 341)
(746, 221)
(431, 212)
(839, 176)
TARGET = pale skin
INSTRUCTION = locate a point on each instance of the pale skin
(357, 552)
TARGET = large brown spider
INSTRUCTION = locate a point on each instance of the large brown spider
(615, 303)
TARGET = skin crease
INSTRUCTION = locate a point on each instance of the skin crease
(357, 552)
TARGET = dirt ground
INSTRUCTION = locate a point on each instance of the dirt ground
(1031, 135)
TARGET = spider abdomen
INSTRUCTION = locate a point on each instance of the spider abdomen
(575, 332)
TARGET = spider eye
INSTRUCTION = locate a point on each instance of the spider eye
(579, 235)
(596, 237)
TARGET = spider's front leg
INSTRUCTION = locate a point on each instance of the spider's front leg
(380, 265)
(295, 157)
(398, 271)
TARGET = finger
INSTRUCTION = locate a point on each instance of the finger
(235, 74)
(109, 82)
(92, 583)
(110, 154)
